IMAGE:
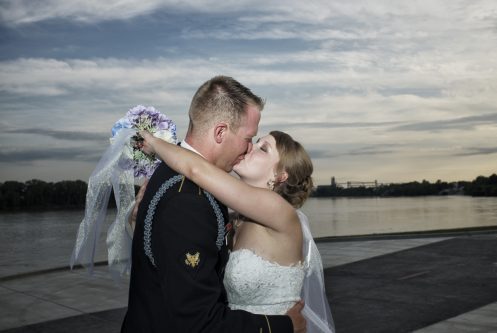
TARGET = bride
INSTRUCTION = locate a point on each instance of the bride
(274, 261)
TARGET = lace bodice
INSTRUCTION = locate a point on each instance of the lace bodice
(257, 285)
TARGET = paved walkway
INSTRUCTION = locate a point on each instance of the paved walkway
(414, 288)
(361, 274)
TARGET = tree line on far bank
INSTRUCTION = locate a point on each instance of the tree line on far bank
(481, 186)
(37, 194)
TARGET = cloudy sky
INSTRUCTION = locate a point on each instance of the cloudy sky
(395, 90)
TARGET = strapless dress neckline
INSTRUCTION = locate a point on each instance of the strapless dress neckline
(258, 285)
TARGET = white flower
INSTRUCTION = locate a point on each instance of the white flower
(165, 135)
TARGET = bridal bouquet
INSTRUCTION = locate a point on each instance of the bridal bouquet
(145, 118)
(121, 165)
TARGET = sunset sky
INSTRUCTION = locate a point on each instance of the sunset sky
(389, 90)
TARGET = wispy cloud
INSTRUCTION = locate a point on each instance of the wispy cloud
(330, 125)
(463, 123)
(27, 11)
(335, 152)
(87, 154)
(475, 151)
(62, 135)
(51, 77)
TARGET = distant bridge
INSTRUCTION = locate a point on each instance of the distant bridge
(352, 184)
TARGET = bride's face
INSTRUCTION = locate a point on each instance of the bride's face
(259, 164)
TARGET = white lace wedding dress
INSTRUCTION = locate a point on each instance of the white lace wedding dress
(259, 286)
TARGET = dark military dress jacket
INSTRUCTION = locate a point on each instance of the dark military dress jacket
(178, 260)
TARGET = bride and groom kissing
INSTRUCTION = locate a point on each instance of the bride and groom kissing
(186, 275)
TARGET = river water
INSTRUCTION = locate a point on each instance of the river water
(39, 240)
(366, 216)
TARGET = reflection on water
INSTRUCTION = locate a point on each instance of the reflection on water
(40, 240)
(365, 216)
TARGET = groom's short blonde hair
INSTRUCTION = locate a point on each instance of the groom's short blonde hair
(221, 99)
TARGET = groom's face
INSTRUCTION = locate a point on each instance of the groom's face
(238, 143)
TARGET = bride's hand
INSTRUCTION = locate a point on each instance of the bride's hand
(148, 142)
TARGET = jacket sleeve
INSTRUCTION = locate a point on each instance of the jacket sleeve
(184, 246)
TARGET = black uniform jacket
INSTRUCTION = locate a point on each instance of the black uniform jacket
(183, 291)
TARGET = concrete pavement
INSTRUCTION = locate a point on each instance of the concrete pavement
(422, 284)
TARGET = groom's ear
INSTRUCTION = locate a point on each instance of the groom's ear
(220, 131)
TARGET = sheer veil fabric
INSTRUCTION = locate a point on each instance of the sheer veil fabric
(317, 310)
(111, 173)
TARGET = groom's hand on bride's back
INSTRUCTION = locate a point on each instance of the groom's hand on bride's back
(298, 320)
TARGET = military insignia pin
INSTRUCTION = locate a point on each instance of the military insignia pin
(192, 260)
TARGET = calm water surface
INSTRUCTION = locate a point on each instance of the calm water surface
(366, 216)
(40, 240)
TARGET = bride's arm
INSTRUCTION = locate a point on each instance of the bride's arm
(261, 205)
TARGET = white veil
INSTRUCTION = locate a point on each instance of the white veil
(111, 173)
(317, 310)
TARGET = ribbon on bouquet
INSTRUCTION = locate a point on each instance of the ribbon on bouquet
(113, 171)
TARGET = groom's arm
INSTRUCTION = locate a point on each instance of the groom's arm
(186, 256)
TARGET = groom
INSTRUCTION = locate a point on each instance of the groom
(179, 252)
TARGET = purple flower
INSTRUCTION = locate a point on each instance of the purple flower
(145, 118)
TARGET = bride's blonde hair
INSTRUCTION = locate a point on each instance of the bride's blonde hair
(298, 165)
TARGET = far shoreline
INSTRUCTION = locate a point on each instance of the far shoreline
(37, 196)
(112, 206)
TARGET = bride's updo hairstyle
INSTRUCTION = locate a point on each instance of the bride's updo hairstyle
(297, 163)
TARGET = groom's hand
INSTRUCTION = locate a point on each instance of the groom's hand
(298, 320)
(138, 199)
